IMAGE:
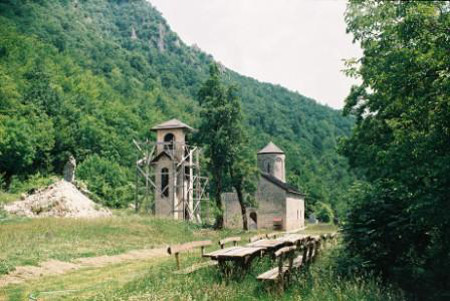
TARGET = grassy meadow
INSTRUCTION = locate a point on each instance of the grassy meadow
(30, 241)
(27, 241)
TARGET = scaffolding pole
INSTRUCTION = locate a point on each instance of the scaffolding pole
(189, 189)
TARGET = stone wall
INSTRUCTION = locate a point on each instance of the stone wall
(232, 215)
(273, 164)
(179, 139)
(164, 205)
(295, 212)
(271, 203)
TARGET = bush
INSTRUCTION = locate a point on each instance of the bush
(324, 212)
(109, 181)
(31, 183)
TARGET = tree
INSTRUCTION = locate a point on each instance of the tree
(221, 132)
(401, 143)
(242, 169)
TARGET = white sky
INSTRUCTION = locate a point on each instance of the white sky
(298, 44)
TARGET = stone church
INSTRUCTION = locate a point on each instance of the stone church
(278, 203)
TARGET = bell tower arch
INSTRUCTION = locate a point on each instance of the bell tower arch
(271, 160)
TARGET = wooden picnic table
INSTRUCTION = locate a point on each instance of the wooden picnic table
(268, 245)
(293, 239)
(241, 256)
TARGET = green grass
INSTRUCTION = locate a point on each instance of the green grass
(154, 280)
(26, 241)
(317, 283)
(6, 197)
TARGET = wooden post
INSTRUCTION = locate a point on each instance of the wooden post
(280, 273)
(305, 253)
(178, 260)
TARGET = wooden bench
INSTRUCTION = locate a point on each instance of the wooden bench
(257, 237)
(177, 249)
(283, 269)
(277, 223)
(300, 260)
(310, 245)
(273, 235)
(333, 238)
(327, 239)
(233, 240)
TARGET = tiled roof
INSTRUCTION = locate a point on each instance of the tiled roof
(287, 187)
(271, 148)
(172, 124)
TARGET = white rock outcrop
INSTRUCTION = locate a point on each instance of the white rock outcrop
(61, 199)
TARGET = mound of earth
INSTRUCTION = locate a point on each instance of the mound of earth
(61, 199)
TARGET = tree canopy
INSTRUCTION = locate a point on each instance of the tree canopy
(399, 219)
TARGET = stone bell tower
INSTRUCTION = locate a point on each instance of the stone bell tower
(172, 162)
(271, 161)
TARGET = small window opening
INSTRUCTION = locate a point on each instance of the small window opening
(169, 140)
(164, 182)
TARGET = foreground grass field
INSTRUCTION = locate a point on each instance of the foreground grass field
(32, 241)
(155, 280)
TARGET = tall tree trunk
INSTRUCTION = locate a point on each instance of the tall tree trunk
(238, 186)
(243, 208)
(218, 196)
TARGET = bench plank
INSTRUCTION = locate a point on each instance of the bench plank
(257, 237)
(298, 261)
(285, 250)
(273, 235)
(219, 252)
(234, 240)
(272, 274)
(188, 246)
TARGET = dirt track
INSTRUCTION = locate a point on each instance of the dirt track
(56, 267)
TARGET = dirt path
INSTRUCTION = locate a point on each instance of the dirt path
(56, 267)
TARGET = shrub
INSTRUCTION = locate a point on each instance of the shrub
(31, 183)
(324, 212)
(107, 180)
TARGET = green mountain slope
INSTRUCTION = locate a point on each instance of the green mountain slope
(86, 77)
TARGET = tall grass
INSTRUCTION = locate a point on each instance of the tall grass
(319, 282)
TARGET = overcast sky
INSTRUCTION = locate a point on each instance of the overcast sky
(298, 44)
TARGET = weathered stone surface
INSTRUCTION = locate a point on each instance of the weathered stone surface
(275, 199)
(69, 170)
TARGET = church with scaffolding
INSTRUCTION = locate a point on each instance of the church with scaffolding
(168, 171)
(168, 176)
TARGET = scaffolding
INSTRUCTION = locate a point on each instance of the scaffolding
(189, 189)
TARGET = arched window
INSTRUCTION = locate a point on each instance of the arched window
(267, 166)
(164, 182)
(169, 140)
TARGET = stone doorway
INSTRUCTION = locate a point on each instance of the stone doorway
(253, 221)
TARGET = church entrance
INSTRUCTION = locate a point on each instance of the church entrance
(253, 221)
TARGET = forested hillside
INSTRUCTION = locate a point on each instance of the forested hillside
(86, 77)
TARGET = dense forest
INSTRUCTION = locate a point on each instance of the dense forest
(398, 226)
(86, 77)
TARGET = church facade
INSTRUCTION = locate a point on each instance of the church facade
(278, 203)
